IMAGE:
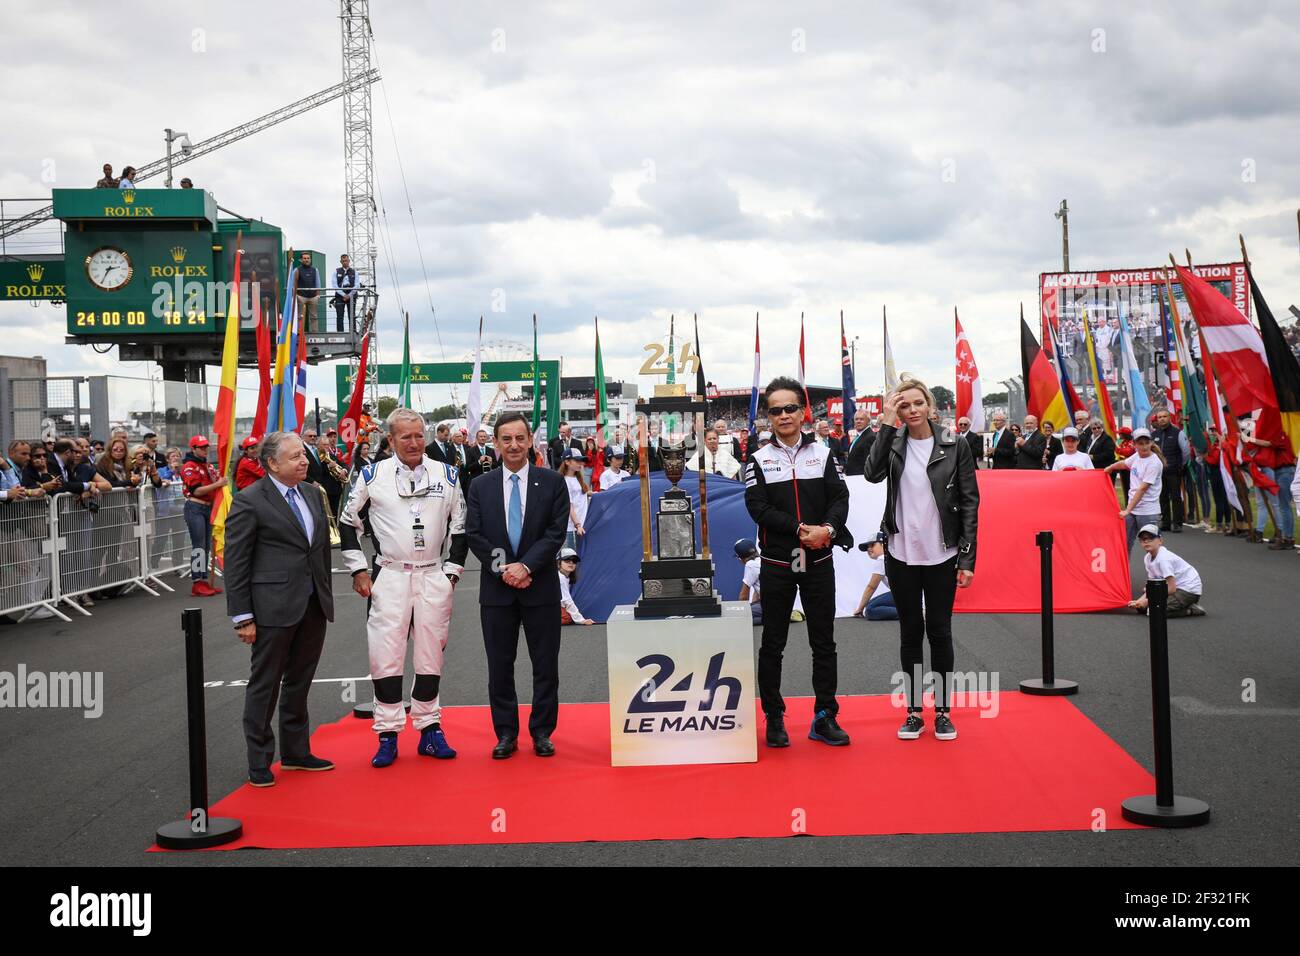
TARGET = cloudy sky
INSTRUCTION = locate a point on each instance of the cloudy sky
(636, 160)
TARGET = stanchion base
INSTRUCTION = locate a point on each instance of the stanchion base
(1040, 688)
(1186, 812)
(366, 711)
(178, 835)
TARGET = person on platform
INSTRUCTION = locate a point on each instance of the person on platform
(856, 460)
(579, 496)
(931, 517)
(345, 294)
(877, 601)
(108, 181)
(796, 495)
(566, 565)
(249, 468)
(974, 439)
(515, 527)
(307, 292)
(280, 596)
(1002, 451)
(1171, 441)
(717, 459)
(128, 178)
(1183, 582)
(199, 481)
(613, 472)
(1071, 459)
(750, 577)
(1029, 445)
(1101, 447)
(1145, 470)
(187, 183)
(416, 512)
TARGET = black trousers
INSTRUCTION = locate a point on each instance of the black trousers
(937, 583)
(777, 586)
(1222, 510)
(288, 656)
(1171, 497)
(501, 639)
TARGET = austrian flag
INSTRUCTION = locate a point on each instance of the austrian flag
(970, 398)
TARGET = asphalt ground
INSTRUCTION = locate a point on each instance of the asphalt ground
(88, 792)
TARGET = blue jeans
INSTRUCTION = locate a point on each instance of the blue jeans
(1283, 508)
(198, 519)
(881, 608)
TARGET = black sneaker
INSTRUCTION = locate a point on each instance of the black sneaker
(825, 729)
(913, 727)
(776, 735)
(943, 728)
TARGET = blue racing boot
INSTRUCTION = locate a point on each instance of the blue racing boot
(433, 743)
(387, 751)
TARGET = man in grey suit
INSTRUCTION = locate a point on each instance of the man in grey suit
(279, 595)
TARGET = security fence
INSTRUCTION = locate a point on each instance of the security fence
(54, 550)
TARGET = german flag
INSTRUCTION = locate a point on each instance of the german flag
(1282, 365)
(1042, 388)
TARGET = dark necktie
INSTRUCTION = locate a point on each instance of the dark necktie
(291, 496)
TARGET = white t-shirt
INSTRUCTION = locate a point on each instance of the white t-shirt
(1079, 461)
(1147, 470)
(877, 566)
(578, 499)
(609, 478)
(920, 537)
(566, 599)
(1166, 564)
(752, 568)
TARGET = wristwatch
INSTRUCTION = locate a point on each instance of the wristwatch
(831, 530)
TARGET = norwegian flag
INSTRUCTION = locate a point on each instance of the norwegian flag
(970, 398)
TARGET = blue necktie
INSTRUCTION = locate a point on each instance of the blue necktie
(291, 496)
(515, 518)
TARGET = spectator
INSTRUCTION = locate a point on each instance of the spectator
(307, 292)
(1029, 445)
(571, 471)
(1003, 453)
(128, 178)
(37, 474)
(345, 295)
(1180, 578)
(151, 440)
(1173, 448)
(613, 472)
(97, 447)
(171, 472)
(458, 439)
(186, 184)
(716, 461)
(835, 446)
(249, 468)
(567, 564)
(974, 439)
(860, 447)
(11, 474)
(108, 181)
(729, 444)
(440, 449)
(877, 602)
(113, 468)
(1081, 418)
(145, 467)
(1071, 459)
(558, 445)
(747, 553)
(361, 457)
(1101, 447)
(1146, 470)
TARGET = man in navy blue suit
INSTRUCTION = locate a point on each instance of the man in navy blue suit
(515, 525)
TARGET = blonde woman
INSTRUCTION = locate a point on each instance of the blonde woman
(930, 519)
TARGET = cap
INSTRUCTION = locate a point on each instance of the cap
(331, 431)
(568, 554)
(573, 453)
(1070, 432)
(745, 548)
(249, 442)
(1141, 433)
(199, 441)
(1148, 531)
(1125, 430)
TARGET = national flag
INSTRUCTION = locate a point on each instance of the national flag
(891, 373)
(223, 423)
(1138, 402)
(1282, 365)
(970, 397)
(758, 371)
(404, 378)
(1226, 424)
(282, 383)
(701, 384)
(300, 379)
(602, 414)
(262, 334)
(1098, 381)
(807, 405)
(474, 401)
(1173, 379)
(537, 382)
(1195, 411)
(350, 423)
(846, 380)
(1043, 397)
(1073, 403)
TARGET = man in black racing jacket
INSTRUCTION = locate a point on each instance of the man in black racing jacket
(795, 492)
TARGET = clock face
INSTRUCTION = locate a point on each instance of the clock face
(108, 268)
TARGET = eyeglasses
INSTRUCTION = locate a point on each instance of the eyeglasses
(784, 409)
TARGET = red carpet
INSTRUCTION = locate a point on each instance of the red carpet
(1040, 764)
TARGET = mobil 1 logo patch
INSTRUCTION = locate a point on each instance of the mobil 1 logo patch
(716, 702)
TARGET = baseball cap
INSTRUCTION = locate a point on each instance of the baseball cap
(1070, 432)
(1148, 531)
(249, 442)
(1125, 430)
(745, 548)
(199, 441)
(573, 453)
(568, 554)
(1141, 433)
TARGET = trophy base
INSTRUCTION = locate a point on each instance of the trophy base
(694, 605)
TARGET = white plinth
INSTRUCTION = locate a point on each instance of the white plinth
(681, 690)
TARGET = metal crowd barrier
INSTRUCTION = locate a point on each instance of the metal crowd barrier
(166, 548)
(28, 575)
(100, 549)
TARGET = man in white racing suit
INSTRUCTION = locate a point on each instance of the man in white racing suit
(417, 512)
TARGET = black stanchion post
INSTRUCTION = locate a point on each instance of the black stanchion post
(200, 830)
(1049, 686)
(1164, 808)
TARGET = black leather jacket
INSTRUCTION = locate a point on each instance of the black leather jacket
(952, 478)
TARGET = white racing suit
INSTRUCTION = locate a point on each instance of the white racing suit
(418, 519)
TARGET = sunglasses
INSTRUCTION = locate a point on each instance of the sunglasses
(784, 409)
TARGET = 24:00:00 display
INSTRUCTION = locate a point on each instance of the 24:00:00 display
(115, 319)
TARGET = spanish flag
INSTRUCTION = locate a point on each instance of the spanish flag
(224, 421)
(1042, 388)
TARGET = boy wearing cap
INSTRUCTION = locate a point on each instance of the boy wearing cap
(199, 482)
(747, 554)
(1072, 459)
(1180, 577)
(1146, 470)
(877, 601)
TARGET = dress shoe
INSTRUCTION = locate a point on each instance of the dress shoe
(309, 762)
(776, 733)
(261, 777)
(543, 747)
(505, 747)
(387, 751)
(433, 743)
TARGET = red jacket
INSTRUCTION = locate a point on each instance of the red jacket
(249, 470)
(194, 475)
